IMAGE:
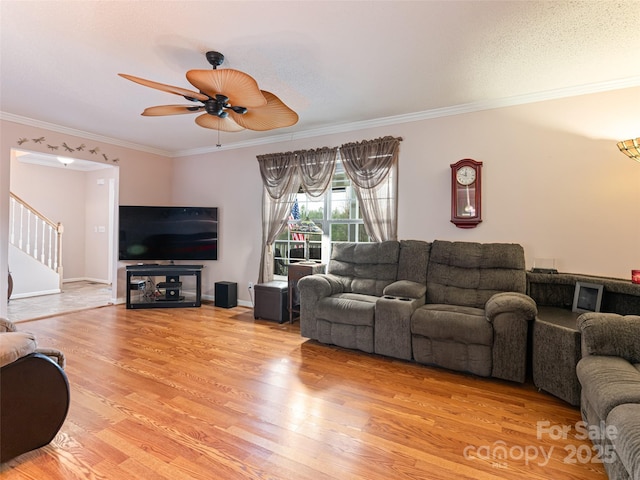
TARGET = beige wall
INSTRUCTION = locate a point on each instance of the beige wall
(36, 184)
(549, 182)
(98, 217)
(553, 180)
(143, 178)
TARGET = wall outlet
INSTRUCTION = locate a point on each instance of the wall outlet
(250, 285)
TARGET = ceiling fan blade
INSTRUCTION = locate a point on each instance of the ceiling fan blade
(171, 110)
(166, 88)
(216, 123)
(273, 115)
(241, 89)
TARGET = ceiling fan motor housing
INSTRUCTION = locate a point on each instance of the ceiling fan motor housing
(216, 106)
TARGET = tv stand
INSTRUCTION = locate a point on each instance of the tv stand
(144, 292)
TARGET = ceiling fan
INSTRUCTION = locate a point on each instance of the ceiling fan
(230, 99)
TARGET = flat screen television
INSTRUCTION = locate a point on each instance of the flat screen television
(167, 233)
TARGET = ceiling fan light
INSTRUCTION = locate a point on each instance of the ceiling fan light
(216, 123)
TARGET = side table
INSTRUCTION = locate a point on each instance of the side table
(296, 272)
(556, 351)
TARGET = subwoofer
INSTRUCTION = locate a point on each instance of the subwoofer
(226, 294)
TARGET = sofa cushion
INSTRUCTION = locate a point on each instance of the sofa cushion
(468, 273)
(15, 345)
(626, 422)
(453, 323)
(365, 267)
(608, 382)
(413, 260)
(347, 308)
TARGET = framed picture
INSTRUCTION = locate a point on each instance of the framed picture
(587, 297)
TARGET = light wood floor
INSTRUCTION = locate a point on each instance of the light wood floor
(209, 393)
(75, 296)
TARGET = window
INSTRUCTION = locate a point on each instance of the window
(337, 213)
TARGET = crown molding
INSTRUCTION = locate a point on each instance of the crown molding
(427, 114)
(10, 117)
(354, 126)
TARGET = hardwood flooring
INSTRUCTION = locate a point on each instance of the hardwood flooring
(210, 393)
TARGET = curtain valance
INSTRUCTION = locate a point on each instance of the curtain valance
(311, 169)
(368, 162)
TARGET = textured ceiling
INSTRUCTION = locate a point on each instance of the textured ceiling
(335, 63)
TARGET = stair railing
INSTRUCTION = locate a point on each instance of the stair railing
(35, 234)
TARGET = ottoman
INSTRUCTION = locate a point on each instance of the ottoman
(271, 301)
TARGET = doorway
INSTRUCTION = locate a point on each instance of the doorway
(82, 196)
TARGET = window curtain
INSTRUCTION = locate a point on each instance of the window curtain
(372, 167)
(283, 174)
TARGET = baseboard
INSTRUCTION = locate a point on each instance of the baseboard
(86, 279)
(15, 296)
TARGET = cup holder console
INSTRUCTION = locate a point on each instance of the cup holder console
(391, 297)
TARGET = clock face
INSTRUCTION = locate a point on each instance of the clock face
(466, 175)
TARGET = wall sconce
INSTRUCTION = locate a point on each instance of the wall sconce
(631, 148)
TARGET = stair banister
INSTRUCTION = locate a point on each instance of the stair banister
(48, 245)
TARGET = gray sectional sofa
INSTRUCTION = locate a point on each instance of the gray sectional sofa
(458, 305)
(609, 373)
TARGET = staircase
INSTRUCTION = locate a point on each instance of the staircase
(35, 250)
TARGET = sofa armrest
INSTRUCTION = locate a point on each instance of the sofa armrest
(55, 355)
(518, 304)
(314, 288)
(320, 285)
(511, 314)
(33, 405)
(610, 334)
(406, 289)
(15, 345)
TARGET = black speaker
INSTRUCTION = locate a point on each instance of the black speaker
(226, 294)
(172, 294)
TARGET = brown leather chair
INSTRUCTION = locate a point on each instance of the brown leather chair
(34, 393)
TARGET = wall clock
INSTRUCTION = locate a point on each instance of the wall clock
(466, 193)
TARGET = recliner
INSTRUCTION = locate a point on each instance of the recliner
(34, 392)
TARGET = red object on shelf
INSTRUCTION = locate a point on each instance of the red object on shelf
(635, 276)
